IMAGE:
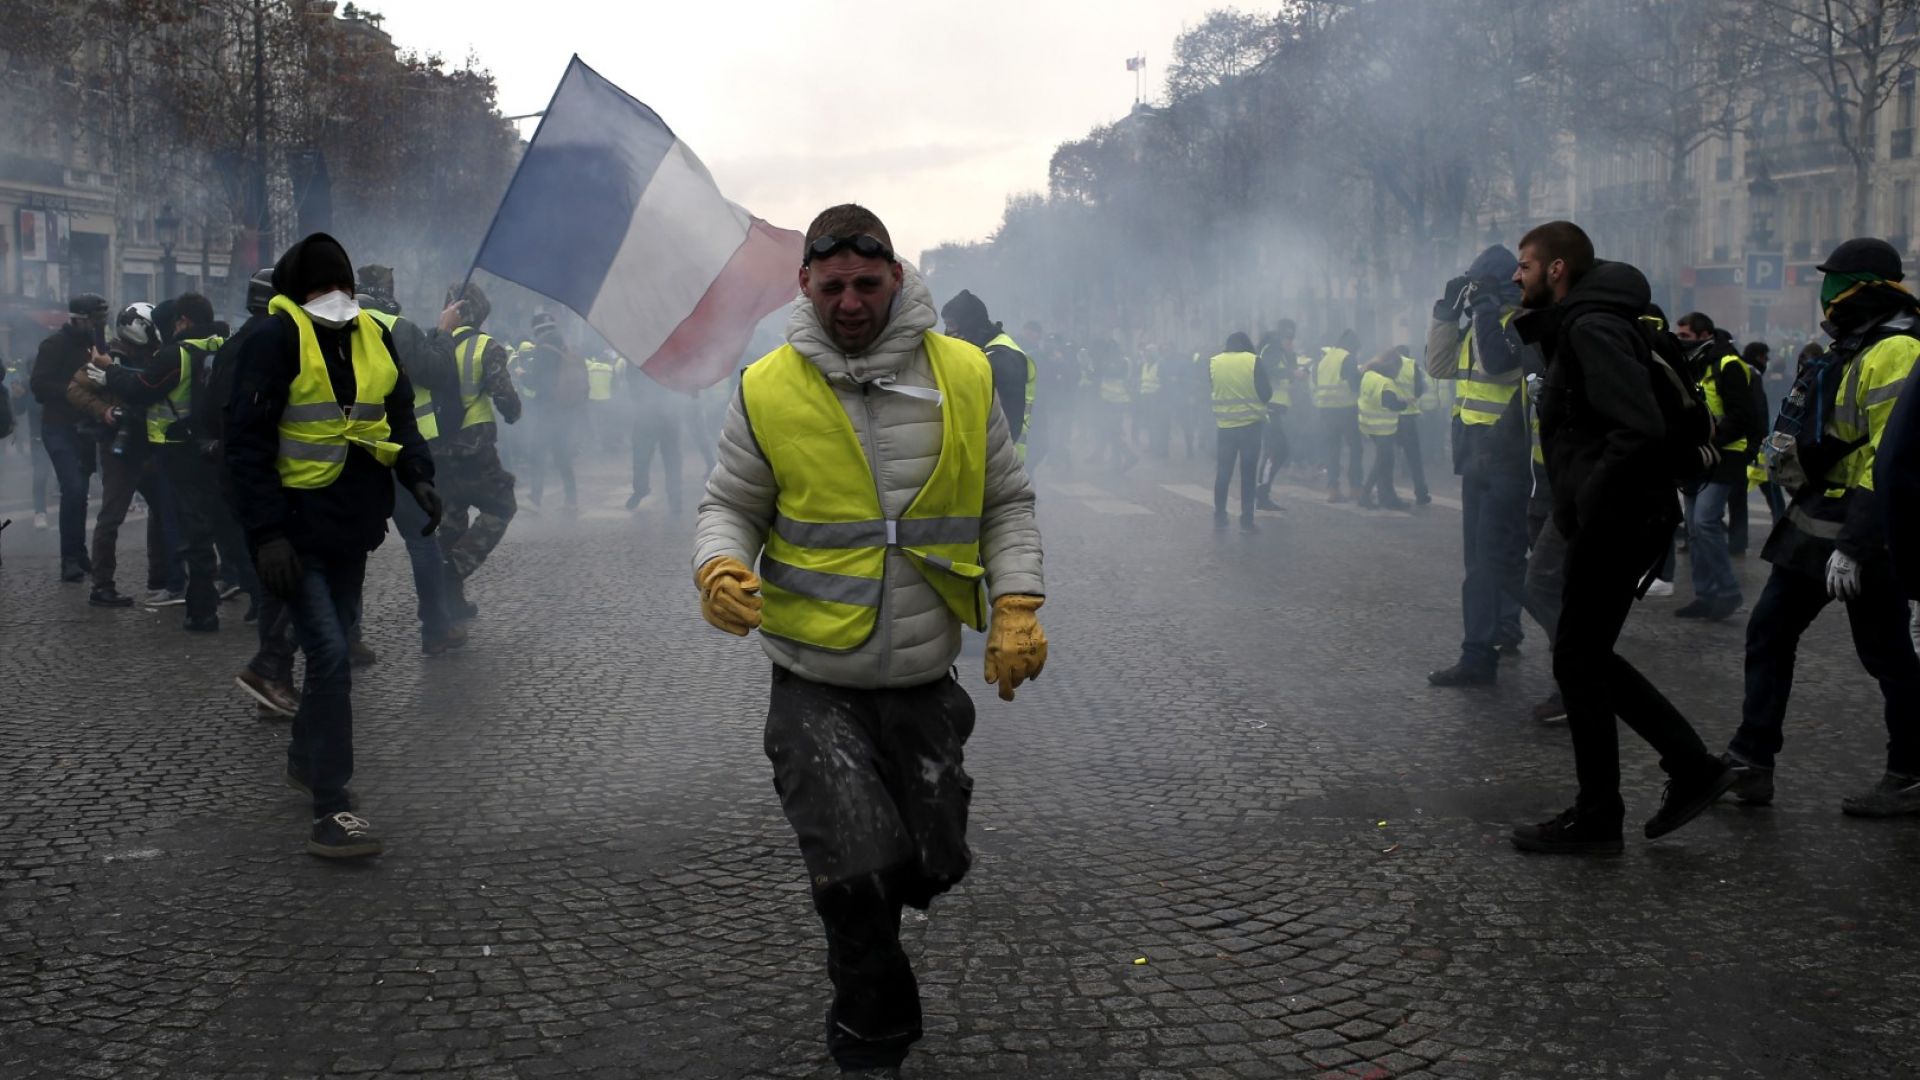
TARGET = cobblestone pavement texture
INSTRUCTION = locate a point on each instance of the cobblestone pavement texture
(1230, 834)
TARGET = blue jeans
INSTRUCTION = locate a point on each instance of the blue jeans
(429, 566)
(1707, 543)
(1878, 617)
(325, 610)
(1493, 525)
(73, 456)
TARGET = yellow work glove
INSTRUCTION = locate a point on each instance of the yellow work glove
(1016, 646)
(729, 595)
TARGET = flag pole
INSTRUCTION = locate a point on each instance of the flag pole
(474, 264)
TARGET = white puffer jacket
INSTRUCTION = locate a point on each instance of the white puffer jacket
(917, 638)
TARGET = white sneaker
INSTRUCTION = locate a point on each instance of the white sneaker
(39, 520)
(156, 598)
(1660, 588)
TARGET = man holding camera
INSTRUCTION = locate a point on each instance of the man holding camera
(1471, 343)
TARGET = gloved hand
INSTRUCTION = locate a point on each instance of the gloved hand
(1449, 304)
(1843, 577)
(429, 502)
(729, 595)
(279, 567)
(1016, 646)
(96, 374)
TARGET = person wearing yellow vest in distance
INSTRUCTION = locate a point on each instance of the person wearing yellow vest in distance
(1015, 379)
(1240, 391)
(1336, 400)
(1833, 544)
(556, 392)
(1471, 342)
(1113, 383)
(1277, 357)
(470, 471)
(311, 482)
(428, 364)
(867, 467)
(600, 410)
(1410, 383)
(166, 390)
(1381, 411)
(1150, 419)
(1727, 386)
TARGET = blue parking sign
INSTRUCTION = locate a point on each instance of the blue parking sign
(1766, 273)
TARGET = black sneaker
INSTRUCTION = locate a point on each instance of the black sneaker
(202, 624)
(108, 596)
(1220, 519)
(72, 570)
(1573, 832)
(1507, 650)
(1752, 784)
(1265, 503)
(1462, 675)
(1365, 502)
(359, 655)
(633, 500)
(1699, 609)
(227, 591)
(889, 1072)
(1551, 711)
(1247, 525)
(1896, 795)
(299, 784)
(1423, 499)
(343, 836)
(1723, 608)
(1683, 801)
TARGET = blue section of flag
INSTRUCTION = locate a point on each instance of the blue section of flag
(566, 212)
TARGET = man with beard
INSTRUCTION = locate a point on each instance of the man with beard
(867, 468)
(1606, 434)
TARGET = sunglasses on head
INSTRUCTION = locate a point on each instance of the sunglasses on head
(868, 247)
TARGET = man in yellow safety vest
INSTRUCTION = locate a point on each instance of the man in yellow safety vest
(1336, 400)
(868, 469)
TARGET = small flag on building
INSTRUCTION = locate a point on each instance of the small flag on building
(612, 215)
(1136, 63)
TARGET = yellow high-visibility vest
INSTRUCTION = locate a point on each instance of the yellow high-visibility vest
(1375, 417)
(1149, 378)
(1710, 389)
(1406, 383)
(424, 417)
(599, 380)
(178, 404)
(1482, 399)
(469, 355)
(1330, 391)
(1236, 394)
(315, 431)
(1033, 381)
(823, 572)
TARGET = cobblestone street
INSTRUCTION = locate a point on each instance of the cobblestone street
(1231, 833)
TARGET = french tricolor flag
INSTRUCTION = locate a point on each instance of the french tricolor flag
(613, 216)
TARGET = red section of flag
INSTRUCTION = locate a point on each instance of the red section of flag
(705, 348)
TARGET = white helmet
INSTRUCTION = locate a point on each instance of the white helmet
(136, 325)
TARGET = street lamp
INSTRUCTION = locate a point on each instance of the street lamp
(166, 228)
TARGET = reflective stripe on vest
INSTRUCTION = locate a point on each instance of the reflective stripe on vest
(1407, 384)
(1330, 390)
(178, 404)
(1375, 417)
(1482, 399)
(314, 430)
(1113, 391)
(1149, 377)
(1236, 394)
(823, 572)
(424, 416)
(1709, 386)
(470, 356)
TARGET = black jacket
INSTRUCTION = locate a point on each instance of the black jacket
(1010, 385)
(1896, 480)
(1600, 423)
(61, 354)
(1743, 417)
(348, 517)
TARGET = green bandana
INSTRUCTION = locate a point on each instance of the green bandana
(1833, 286)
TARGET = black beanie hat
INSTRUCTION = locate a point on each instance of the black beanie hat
(965, 310)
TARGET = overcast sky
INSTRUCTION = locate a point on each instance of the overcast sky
(928, 114)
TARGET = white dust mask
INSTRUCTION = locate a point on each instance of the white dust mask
(334, 310)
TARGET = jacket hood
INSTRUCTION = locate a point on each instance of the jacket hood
(913, 316)
(313, 263)
(1611, 284)
(1495, 262)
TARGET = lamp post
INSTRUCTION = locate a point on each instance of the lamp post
(166, 229)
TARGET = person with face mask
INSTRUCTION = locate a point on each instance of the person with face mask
(867, 467)
(321, 420)
(1726, 383)
(1832, 544)
(73, 454)
(136, 339)
(1014, 375)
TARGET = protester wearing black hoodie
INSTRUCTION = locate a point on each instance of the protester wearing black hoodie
(1614, 501)
(1471, 344)
(311, 544)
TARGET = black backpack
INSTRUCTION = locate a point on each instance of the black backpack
(1690, 452)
